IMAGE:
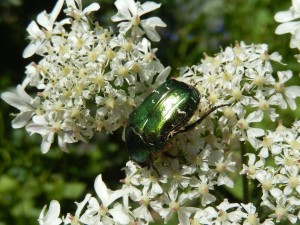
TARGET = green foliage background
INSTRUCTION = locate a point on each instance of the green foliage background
(29, 179)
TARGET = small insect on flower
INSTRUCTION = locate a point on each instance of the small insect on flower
(164, 113)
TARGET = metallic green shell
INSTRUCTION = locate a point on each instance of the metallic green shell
(164, 112)
(137, 149)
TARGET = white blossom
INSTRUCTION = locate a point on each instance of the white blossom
(26, 104)
(175, 204)
(90, 78)
(253, 166)
(39, 37)
(76, 219)
(282, 209)
(288, 25)
(105, 211)
(130, 12)
(52, 216)
(201, 189)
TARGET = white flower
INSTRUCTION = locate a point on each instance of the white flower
(130, 12)
(253, 166)
(132, 175)
(271, 142)
(228, 212)
(52, 216)
(222, 166)
(89, 78)
(42, 125)
(104, 211)
(202, 185)
(75, 219)
(286, 94)
(26, 104)
(144, 198)
(247, 132)
(288, 25)
(205, 216)
(289, 158)
(175, 204)
(75, 9)
(197, 158)
(291, 181)
(265, 105)
(153, 182)
(268, 182)
(282, 209)
(252, 216)
(39, 36)
(181, 175)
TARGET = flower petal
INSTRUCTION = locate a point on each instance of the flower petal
(43, 19)
(291, 93)
(148, 7)
(54, 209)
(284, 75)
(52, 216)
(255, 116)
(285, 16)
(124, 27)
(91, 8)
(149, 25)
(163, 75)
(47, 141)
(132, 7)
(123, 12)
(56, 10)
(22, 119)
(151, 33)
(22, 93)
(117, 194)
(31, 49)
(34, 30)
(101, 189)
(119, 214)
(288, 27)
(16, 101)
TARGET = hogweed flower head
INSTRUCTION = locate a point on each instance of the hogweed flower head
(201, 164)
(91, 78)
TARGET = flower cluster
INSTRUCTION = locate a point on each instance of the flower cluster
(289, 25)
(89, 78)
(200, 164)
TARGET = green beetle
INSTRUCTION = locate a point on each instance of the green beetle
(163, 113)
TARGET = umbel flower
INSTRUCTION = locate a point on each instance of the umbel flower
(90, 78)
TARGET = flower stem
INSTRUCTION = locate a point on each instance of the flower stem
(246, 193)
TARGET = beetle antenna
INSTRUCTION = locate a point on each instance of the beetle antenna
(206, 114)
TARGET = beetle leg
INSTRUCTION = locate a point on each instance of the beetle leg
(169, 155)
(156, 170)
(206, 114)
(153, 167)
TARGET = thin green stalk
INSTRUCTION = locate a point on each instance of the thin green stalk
(246, 194)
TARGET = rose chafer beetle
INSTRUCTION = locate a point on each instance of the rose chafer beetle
(163, 113)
